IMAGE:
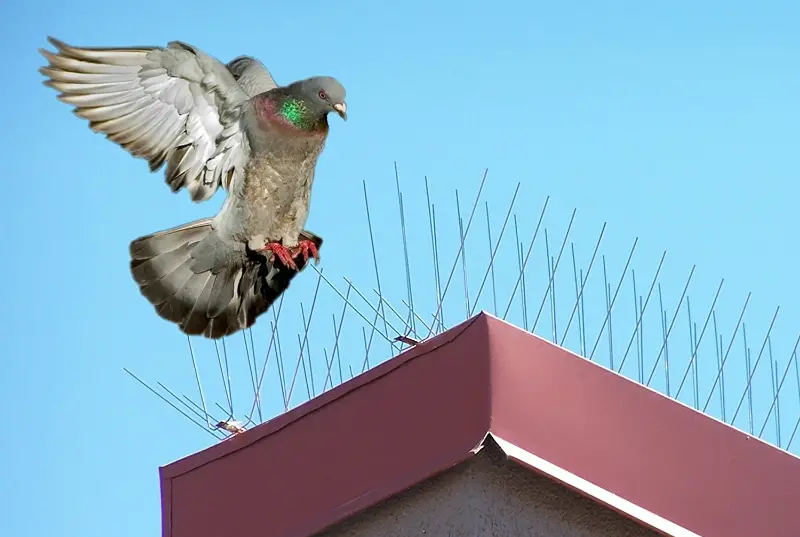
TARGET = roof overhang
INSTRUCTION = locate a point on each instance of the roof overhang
(653, 459)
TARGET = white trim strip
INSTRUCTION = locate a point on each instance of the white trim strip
(609, 498)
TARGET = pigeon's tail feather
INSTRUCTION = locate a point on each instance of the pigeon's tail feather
(206, 285)
(191, 276)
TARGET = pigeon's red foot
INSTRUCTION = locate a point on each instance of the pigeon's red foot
(308, 249)
(282, 253)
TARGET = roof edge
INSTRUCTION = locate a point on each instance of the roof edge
(275, 424)
(646, 387)
(599, 494)
(386, 491)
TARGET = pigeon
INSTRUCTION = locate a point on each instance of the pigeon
(211, 125)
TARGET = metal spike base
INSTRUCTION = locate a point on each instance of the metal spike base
(522, 267)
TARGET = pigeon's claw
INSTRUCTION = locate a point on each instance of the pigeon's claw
(308, 249)
(282, 253)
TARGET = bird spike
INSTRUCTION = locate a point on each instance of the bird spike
(680, 343)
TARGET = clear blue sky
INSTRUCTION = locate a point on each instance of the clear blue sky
(677, 124)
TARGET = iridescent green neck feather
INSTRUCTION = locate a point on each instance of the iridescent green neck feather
(296, 112)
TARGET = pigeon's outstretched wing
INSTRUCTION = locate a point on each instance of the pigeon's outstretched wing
(172, 104)
(252, 75)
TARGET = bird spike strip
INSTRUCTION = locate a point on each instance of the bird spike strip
(634, 317)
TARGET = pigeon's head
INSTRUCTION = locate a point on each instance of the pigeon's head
(322, 94)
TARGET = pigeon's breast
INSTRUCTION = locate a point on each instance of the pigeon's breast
(275, 192)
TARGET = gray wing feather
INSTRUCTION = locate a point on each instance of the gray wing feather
(252, 75)
(171, 104)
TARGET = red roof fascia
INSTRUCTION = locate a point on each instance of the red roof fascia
(636, 443)
(338, 453)
(431, 407)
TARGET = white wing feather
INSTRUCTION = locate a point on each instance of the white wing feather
(171, 104)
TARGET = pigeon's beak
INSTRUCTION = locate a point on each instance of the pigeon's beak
(341, 109)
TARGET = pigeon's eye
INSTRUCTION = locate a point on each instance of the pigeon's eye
(323, 95)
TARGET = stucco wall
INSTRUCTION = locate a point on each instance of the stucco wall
(492, 497)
